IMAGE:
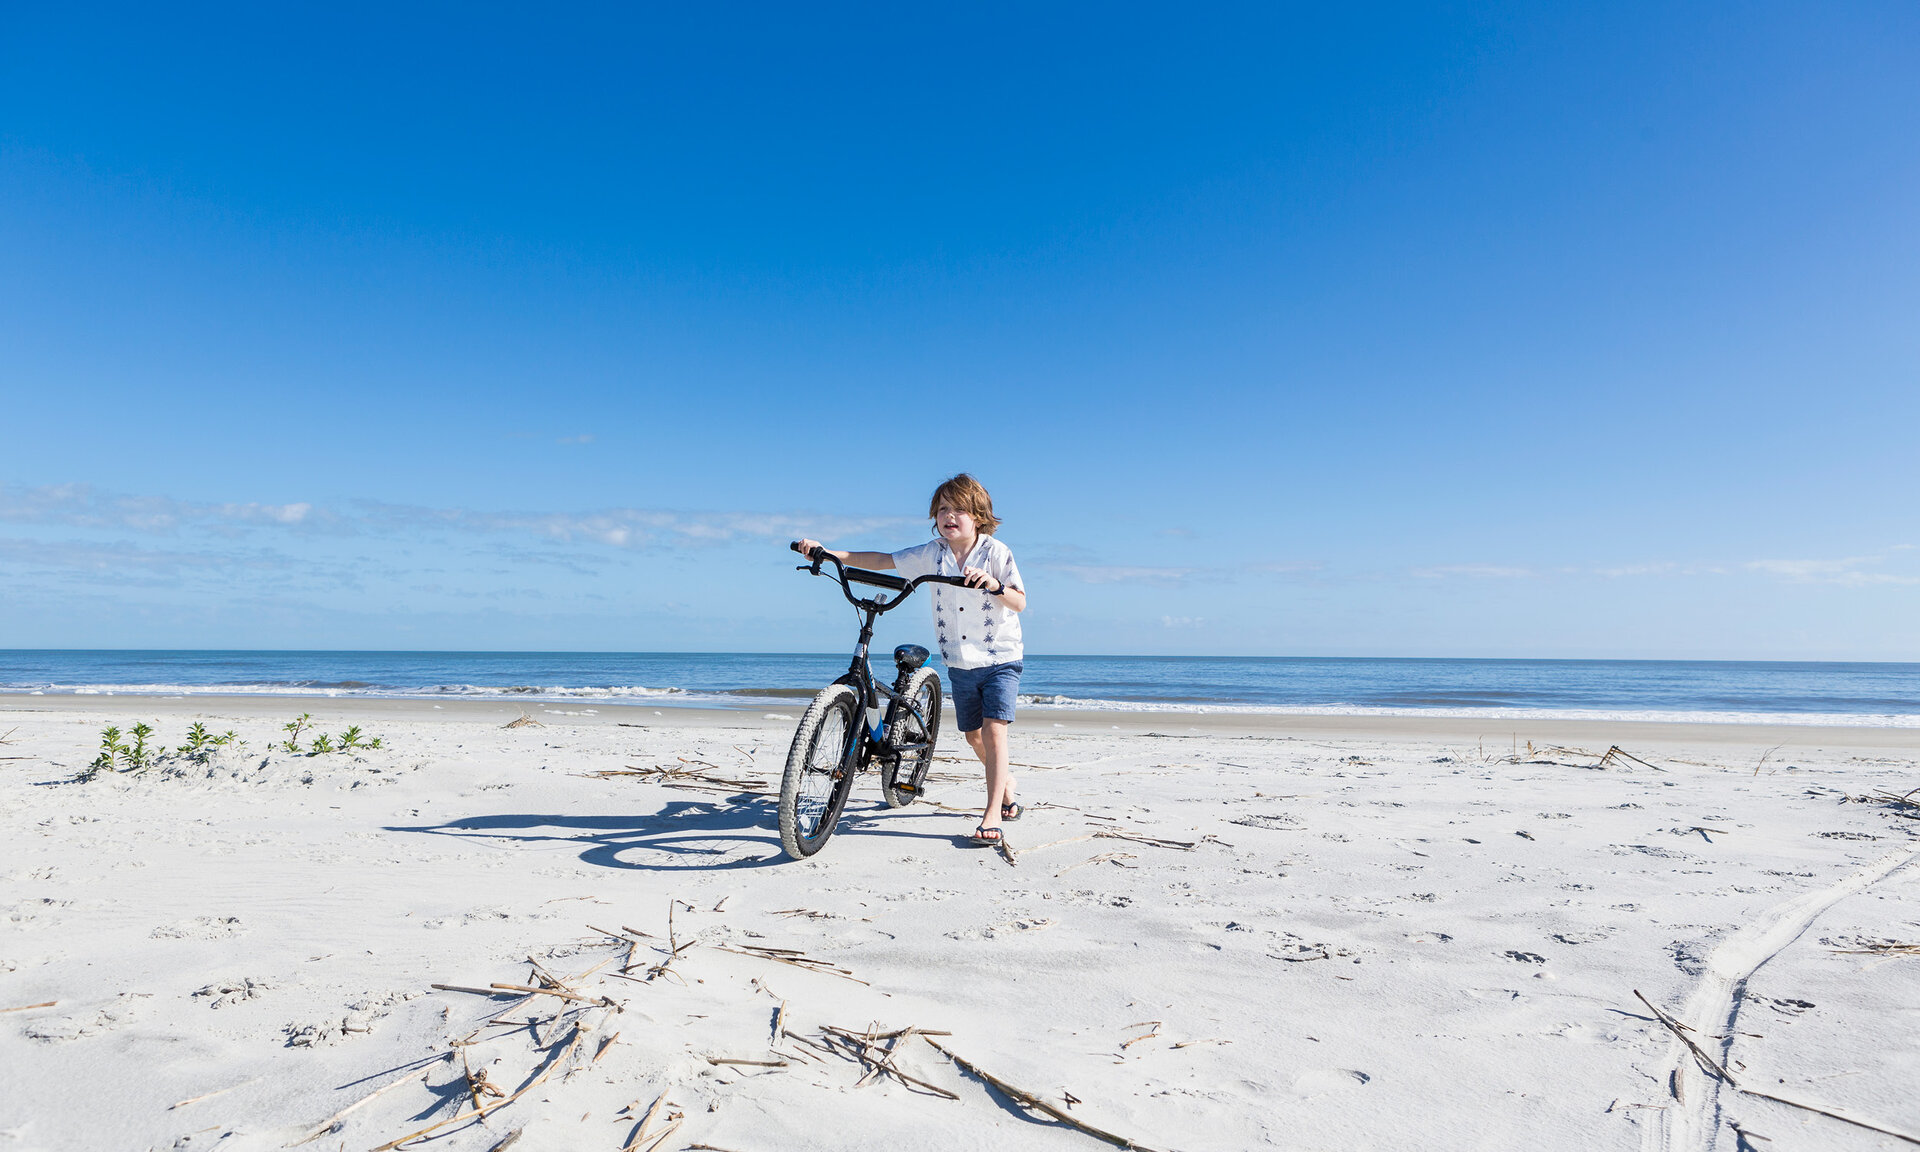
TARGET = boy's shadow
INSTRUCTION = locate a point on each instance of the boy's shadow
(684, 834)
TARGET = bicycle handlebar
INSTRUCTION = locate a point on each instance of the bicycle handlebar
(899, 584)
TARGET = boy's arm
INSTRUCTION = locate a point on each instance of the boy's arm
(1014, 598)
(871, 561)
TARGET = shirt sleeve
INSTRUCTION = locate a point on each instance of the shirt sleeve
(917, 561)
(1006, 571)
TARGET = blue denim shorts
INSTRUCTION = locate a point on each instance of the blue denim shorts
(984, 693)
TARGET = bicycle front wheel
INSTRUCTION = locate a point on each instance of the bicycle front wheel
(819, 775)
(906, 774)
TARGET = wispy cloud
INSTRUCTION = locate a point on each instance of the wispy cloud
(82, 506)
(1481, 571)
(72, 556)
(1850, 572)
(1093, 573)
(1123, 574)
(630, 527)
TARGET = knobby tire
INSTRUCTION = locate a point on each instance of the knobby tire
(923, 690)
(818, 777)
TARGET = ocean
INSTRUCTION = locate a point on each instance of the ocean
(1865, 694)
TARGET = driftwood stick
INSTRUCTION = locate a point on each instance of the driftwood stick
(666, 1134)
(604, 1045)
(212, 1094)
(476, 991)
(564, 995)
(897, 1032)
(1029, 1100)
(826, 971)
(863, 1046)
(477, 1114)
(549, 977)
(1616, 750)
(590, 971)
(1153, 841)
(29, 1007)
(646, 1122)
(333, 1121)
(1714, 1067)
(799, 1039)
(1679, 1032)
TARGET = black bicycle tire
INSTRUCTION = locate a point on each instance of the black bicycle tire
(798, 843)
(913, 768)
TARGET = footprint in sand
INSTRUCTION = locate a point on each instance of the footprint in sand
(119, 1011)
(225, 992)
(995, 931)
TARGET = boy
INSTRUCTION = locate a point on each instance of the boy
(979, 631)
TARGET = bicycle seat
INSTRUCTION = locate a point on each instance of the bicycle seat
(908, 657)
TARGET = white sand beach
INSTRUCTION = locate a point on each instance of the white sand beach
(1219, 932)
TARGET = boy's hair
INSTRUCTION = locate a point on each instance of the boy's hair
(969, 496)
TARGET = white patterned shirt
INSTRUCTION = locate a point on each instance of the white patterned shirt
(976, 628)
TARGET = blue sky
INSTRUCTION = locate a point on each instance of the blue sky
(1279, 330)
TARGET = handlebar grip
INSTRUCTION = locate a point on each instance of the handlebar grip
(816, 555)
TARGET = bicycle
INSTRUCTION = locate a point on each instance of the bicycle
(835, 742)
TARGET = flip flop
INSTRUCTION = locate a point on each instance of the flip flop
(1011, 811)
(987, 836)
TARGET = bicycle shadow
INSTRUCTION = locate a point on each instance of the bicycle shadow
(686, 834)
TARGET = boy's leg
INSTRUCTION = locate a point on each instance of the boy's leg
(990, 745)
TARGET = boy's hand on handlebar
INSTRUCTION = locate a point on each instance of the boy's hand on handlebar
(980, 578)
(805, 547)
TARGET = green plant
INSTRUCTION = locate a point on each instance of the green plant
(321, 744)
(116, 755)
(293, 728)
(352, 739)
(139, 757)
(201, 743)
(110, 752)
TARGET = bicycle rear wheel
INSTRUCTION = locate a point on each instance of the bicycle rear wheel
(906, 774)
(818, 776)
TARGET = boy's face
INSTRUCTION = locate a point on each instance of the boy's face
(954, 523)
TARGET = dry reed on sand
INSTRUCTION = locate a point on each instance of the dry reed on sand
(1028, 1100)
(693, 779)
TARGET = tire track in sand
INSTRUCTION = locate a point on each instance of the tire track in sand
(1693, 1123)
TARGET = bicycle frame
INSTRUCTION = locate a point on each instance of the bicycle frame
(866, 739)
